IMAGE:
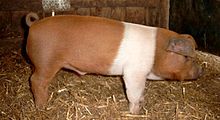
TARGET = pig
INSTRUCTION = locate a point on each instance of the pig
(88, 44)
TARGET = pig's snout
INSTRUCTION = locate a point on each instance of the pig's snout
(200, 71)
(196, 71)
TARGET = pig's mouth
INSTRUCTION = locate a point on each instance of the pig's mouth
(192, 75)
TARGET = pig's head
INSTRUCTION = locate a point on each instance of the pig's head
(175, 60)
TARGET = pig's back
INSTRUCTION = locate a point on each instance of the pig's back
(83, 42)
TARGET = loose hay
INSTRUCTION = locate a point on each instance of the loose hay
(103, 97)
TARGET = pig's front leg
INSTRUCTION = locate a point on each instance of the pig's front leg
(135, 85)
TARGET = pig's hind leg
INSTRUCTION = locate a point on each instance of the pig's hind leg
(40, 80)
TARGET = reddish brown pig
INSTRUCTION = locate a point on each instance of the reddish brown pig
(88, 44)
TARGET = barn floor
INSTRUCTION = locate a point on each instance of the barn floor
(102, 98)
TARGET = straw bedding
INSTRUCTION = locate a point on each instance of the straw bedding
(103, 97)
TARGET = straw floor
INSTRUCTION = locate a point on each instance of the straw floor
(96, 97)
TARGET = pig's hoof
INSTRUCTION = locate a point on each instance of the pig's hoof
(40, 103)
(134, 108)
(39, 106)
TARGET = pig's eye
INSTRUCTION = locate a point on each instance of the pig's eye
(187, 58)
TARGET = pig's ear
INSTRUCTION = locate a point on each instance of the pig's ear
(181, 46)
(190, 38)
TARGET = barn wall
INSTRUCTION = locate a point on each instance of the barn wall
(200, 18)
(147, 12)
